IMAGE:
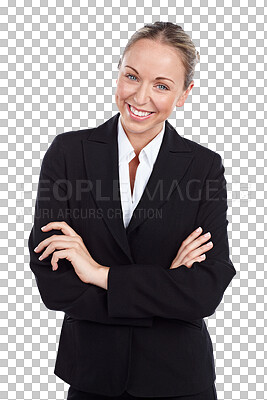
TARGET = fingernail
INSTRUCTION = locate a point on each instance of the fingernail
(207, 234)
(36, 248)
(43, 227)
(41, 256)
(209, 244)
(198, 229)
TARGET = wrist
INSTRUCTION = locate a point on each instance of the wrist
(100, 276)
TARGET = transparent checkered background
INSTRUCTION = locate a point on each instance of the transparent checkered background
(58, 73)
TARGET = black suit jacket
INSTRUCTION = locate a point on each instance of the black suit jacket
(146, 333)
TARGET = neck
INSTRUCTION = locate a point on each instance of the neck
(140, 140)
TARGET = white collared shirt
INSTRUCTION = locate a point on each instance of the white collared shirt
(147, 158)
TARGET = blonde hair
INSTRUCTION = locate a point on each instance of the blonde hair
(174, 36)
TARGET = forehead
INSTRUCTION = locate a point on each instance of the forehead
(152, 57)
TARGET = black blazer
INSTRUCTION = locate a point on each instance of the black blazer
(146, 333)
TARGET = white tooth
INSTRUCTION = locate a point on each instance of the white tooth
(139, 113)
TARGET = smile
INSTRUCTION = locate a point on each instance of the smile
(138, 115)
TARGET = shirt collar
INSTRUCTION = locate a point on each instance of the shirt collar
(150, 151)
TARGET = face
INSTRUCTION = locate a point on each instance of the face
(138, 86)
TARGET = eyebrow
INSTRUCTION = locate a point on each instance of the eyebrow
(159, 77)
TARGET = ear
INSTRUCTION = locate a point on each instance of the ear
(184, 96)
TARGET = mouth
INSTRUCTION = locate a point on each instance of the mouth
(136, 115)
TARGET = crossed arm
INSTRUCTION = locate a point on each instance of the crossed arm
(71, 247)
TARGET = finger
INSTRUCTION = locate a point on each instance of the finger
(197, 253)
(189, 264)
(192, 236)
(61, 225)
(203, 249)
(52, 238)
(56, 256)
(197, 259)
(195, 244)
(175, 266)
(56, 245)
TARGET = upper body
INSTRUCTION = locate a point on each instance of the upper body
(138, 324)
(153, 312)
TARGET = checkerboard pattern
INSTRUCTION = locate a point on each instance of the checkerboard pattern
(58, 73)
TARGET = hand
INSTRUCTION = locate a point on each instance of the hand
(72, 248)
(190, 252)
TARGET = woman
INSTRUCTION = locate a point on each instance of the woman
(122, 203)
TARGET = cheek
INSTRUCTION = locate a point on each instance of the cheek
(123, 90)
(162, 104)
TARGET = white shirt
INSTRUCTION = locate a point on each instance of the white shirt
(147, 158)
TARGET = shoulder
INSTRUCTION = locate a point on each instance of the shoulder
(200, 152)
(208, 163)
(71, 141)
(72, 137)
(63, 152)
(205, 162)
(68, 144)
(203, 153)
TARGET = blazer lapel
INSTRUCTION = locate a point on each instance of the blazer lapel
(101, 161)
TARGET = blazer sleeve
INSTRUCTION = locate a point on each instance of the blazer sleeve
(138, 290)
(62, 290)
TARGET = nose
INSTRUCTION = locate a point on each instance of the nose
(142, 95)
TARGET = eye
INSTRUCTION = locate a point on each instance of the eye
(128, 75)
(164, 87)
